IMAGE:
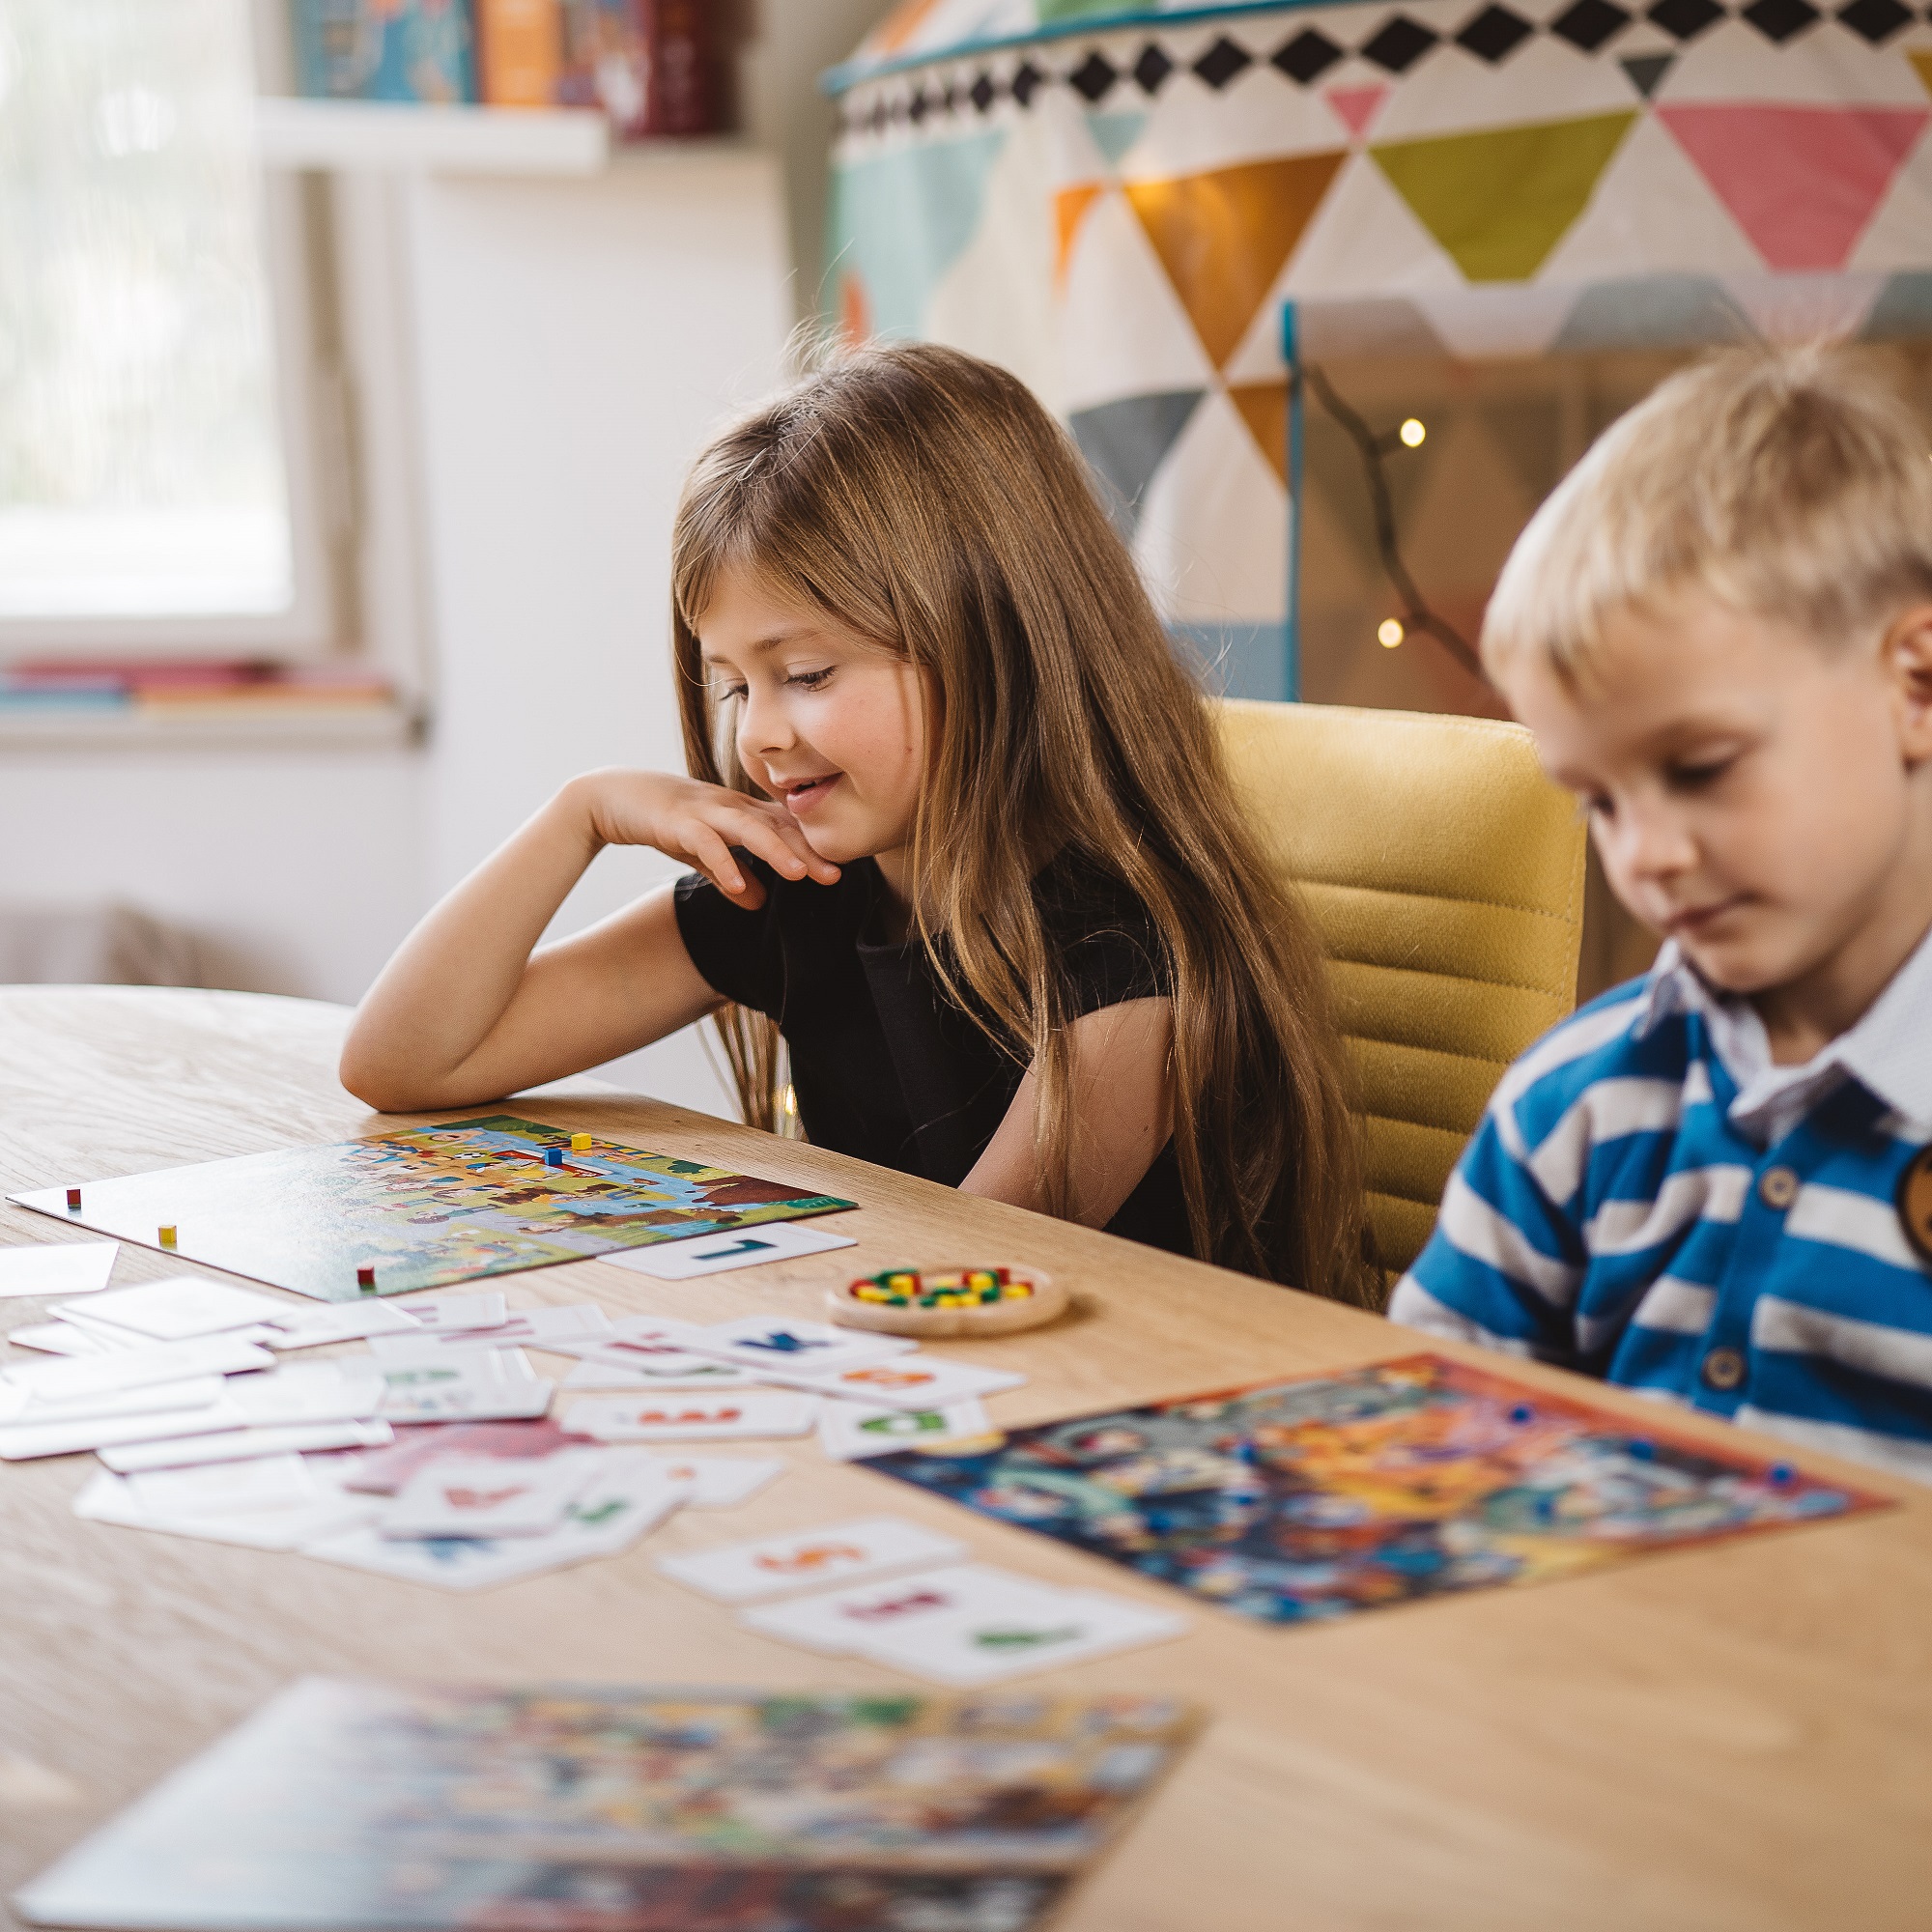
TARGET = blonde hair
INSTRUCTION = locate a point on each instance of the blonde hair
(1788, 484)
(927, 501)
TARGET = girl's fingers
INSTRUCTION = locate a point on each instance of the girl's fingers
(796, 845)
(713, 857)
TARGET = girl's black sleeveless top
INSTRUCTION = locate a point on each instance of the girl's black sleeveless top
(884, 1065)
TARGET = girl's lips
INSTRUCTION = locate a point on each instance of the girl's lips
(799, 800)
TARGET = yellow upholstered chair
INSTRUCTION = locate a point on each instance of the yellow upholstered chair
(1444, 877)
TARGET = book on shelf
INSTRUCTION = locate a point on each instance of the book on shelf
(652, 65)
(410, 50)
(186, 688)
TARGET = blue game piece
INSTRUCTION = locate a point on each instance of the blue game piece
(1522, 1412)
(553, 1156)
(1641, 1451)
(1782, 1473)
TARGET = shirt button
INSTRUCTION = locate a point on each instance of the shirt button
(1724, 1368)
(1777, 1187)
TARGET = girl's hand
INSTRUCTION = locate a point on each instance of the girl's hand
(698, 824)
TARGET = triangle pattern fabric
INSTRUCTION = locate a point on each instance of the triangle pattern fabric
(1263, 408)
(1801, 181)
(1922, 66)
(1356, 106)
(1647, 70)
(1127, 441)
(1499, 199)
(1223, 236)
(1070, 210)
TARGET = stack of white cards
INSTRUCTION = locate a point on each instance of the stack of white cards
(957, 1623)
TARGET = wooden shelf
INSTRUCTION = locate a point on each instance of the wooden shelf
(384, 136)
(347, 726)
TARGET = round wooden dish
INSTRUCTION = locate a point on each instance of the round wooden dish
(1046, 1302)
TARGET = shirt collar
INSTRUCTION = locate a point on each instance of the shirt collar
(1888, 1051)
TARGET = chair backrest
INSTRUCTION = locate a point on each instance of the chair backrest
(1444, 877)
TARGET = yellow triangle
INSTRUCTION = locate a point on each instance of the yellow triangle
(1263, 408)
(1223, 236)
(1070, 210)
(1921, 65)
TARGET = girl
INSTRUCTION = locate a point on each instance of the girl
(959, 835)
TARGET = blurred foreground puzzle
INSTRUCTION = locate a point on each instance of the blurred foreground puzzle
(1299, 1502)
(342, 1806)
(427, 1207)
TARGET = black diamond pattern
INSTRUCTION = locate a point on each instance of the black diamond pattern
(1399, 42)
(1151, 68)
(1778, 20)
(982, 93)
(1093, 76)
(1027, 82)
(1222, 62)
(1877, 20)
(1494, 33)
(1685, 19)
(920, 107)
(1589, 23)
(1307, 57)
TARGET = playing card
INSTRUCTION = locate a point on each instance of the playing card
(57, 1267)
(69, 1338)
(649, 1368)
(385, 1473)
(628, 1496)
(310, 1326)
(330, 1512)
(526, 1327)
(448, 1314)
(331, 1391)
(240, 1445)
(17, 1405)
(739, 1573)
(919, 1381)
(720, 1482)
(265, 1482)
(476, 1385)
(848, 1431)
(843, 1621)
(486, 1496)
(136, 1368)
(764, 1343)
(971, 1647)
(21, 1442)
(178, 1308)
(757, 1414)
(741, 1247)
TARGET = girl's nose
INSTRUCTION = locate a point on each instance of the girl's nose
(763, 729)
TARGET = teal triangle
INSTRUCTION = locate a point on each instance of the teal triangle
(1127, 441)
(1647, 70)
(1115, 133)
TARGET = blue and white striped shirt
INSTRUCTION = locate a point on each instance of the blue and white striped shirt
(1650, 1200)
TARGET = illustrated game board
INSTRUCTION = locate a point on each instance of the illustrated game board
(1304, 1500)
(425, 1208)
(342, 1806)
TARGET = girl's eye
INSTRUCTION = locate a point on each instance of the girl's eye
(1693, 778)
(809, 680)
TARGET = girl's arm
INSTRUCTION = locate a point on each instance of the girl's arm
(1122, 1115)
(466, 1010)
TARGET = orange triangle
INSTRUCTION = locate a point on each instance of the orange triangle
(1070, 210)
(1922, 66)
(1263, 408)
(1223, 236)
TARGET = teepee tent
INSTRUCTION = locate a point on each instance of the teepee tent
(1146, 212)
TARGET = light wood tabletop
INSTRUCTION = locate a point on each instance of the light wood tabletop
(1729, 1739)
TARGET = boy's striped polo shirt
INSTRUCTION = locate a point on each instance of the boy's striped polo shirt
(1649, 1199)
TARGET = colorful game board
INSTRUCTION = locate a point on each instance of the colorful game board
(425, 1208)
(1300, 1501)
(342, 1806)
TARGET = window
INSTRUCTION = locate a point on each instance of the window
(154, 476)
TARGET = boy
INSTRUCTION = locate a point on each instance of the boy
(1714, 1184)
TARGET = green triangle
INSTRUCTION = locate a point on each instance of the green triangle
(1116, 132)
(1500, 199)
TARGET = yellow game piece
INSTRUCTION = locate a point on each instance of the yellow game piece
(580, 1142)
(1015, 1290)
(168, 1234)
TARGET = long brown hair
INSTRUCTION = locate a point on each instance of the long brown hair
(926, 500)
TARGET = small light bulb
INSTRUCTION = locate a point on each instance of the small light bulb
(1412, 431)
(1389, 632)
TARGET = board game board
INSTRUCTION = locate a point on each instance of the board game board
(1304, 1500)
(425, 1208)
(347, 1806)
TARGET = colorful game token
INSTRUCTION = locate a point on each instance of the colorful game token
(73, 1200)
(553, 1156)
(936, 1302)
(580, 1142)
(365, 1277)
(167, 1234)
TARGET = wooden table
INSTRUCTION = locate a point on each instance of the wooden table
(1725, 1740)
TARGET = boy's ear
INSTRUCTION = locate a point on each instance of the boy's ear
(1907, 657)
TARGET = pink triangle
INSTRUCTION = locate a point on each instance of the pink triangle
(1802, 182)
(1356, 106)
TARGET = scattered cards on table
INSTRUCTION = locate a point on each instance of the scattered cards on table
(58, 1268)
